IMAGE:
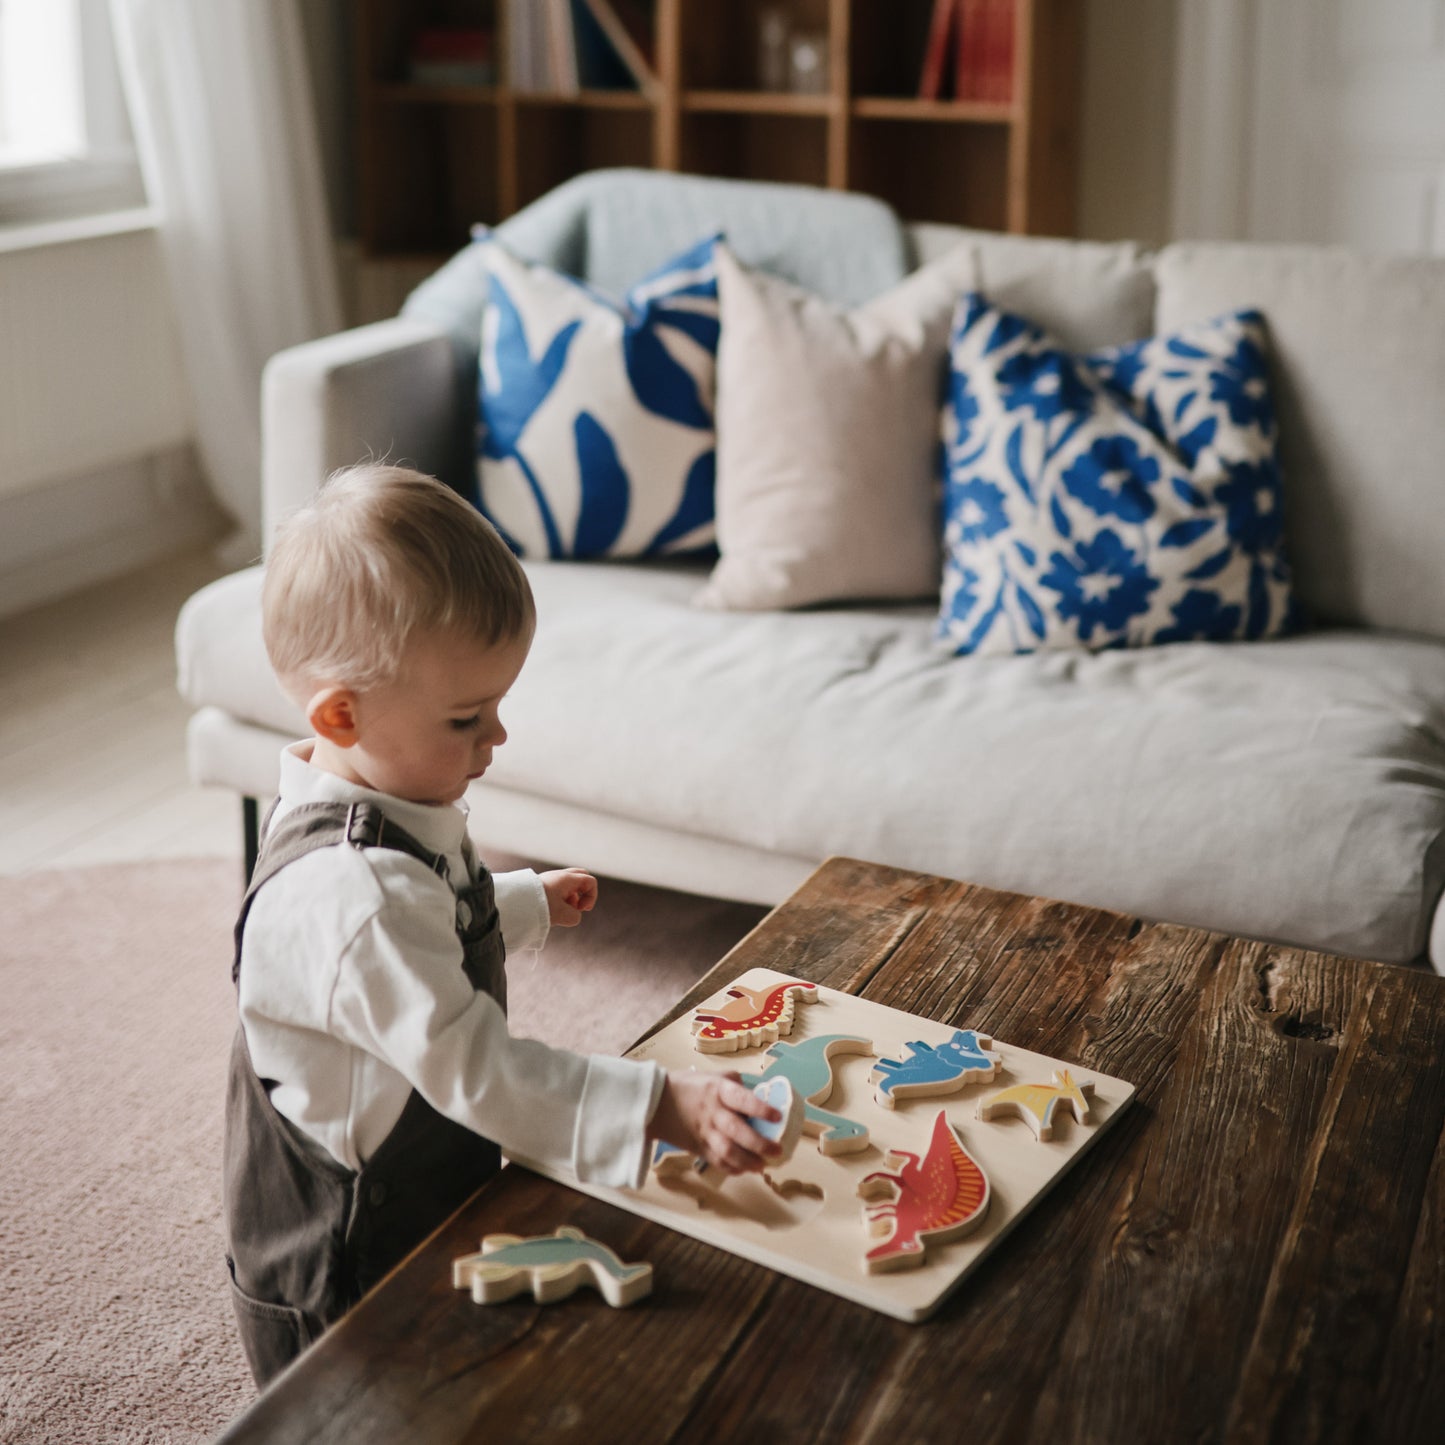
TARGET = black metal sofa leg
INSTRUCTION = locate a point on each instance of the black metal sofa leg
(251, 828)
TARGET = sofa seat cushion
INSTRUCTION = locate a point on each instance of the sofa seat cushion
(1291, 789)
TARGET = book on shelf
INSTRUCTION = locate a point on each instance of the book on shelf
(561, 47)
(451, 55)
(1001, 51)
(942, 26)
(521, 69)
(966, 50)
(984, 50)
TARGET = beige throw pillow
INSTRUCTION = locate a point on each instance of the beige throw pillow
(828, 439)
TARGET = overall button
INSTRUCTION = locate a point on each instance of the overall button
(376, 1195)
(464, 913)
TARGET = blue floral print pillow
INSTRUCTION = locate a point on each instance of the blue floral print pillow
(595, 419)
(1126, 497)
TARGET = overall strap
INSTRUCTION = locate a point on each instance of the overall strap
(323, 825)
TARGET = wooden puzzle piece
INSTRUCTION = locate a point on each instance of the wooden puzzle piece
(552, 1266)
(1036, 1104)
(787, 1130)
(935, 1069)
(754, 1017)
(668, 1161)
(808, 1065)
(941, 1196)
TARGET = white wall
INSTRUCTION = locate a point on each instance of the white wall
(96, 473)
(1126, 146)
(1318, 121)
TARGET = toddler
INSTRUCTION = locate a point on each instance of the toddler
(373, 1080)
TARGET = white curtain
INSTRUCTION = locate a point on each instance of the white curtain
(225, 124)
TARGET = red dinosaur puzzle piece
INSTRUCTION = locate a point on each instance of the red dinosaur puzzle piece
(941, 1196)
(754, 1018)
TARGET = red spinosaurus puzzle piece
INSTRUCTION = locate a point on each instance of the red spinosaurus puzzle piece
(940, 1196)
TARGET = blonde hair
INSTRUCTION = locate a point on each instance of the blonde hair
(383, 553)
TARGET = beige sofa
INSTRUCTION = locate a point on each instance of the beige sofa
(1291, 789)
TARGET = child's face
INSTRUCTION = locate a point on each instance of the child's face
(428, 733)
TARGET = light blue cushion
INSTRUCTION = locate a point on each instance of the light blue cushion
(595, 426)
(1125, 497)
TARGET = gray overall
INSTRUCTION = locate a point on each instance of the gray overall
(306, 1235)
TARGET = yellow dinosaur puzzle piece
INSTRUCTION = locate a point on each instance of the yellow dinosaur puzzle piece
(1036, 1104)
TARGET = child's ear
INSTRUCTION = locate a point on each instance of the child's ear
(332, 715)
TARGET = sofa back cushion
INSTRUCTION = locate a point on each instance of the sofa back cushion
(1358, 358)
(1086, 294)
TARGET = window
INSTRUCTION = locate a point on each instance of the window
(65, 139)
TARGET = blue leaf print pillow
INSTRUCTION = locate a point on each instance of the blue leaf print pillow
(595, 417)
(1122, 498)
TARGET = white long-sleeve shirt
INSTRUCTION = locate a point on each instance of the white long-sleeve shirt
(352, 994)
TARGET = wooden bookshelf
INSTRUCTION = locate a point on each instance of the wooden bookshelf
(434, 158)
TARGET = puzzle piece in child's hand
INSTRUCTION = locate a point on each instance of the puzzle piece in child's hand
(1036, 1104)
(935, 1069)
(941, 1196)
(668, 1161)
(808, 1066)
(786, 1131)
(552, 1266)
(754, 1017)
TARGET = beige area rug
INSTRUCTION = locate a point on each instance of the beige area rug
(116, 1013)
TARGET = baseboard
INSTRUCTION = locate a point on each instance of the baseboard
(61, 536)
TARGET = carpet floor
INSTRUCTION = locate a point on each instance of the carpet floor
(118, 1010)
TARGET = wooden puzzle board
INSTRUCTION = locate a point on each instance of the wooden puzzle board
(811, 1225)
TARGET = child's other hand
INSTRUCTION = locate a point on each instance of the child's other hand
(571, 892)
(707, 1114)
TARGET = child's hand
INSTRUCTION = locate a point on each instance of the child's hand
(571, 892)
(707, 1114)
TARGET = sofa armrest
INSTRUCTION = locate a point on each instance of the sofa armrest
(385, 391)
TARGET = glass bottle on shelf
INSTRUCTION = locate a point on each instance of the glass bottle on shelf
(773, 56)
(808, 64)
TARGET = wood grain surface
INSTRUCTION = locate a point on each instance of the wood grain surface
(1254, 1252)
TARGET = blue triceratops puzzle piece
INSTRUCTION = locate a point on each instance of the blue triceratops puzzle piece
(935, 1069)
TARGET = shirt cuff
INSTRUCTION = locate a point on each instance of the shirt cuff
(619, 1099)
(522, 909)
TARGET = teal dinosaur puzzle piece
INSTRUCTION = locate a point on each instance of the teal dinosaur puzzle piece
(552, 1266)
(808, 1066)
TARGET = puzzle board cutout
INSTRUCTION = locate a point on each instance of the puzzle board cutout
(809, 1221)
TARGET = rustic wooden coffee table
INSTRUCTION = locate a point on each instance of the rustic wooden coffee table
(1255, 1251)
